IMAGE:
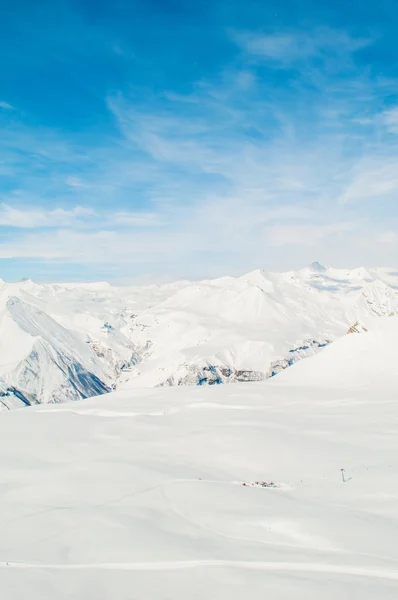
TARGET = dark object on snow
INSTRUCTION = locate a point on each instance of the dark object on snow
(265, 484)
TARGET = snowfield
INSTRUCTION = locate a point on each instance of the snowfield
(61, 342)
(138, 494)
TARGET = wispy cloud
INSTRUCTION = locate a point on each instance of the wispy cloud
(282, 153)
(226, 187)
(374, 179)
(136, 219)
(313, 235)
(176, 249)
(33, 218)
(292, 47)
(389, 118)
(75, 182)
(6, 106)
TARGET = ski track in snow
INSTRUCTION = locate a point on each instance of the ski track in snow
(94, 412)
(222, 534)
(311, 537)
(164, 484)
(196, 564)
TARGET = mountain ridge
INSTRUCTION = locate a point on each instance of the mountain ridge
(62, 342)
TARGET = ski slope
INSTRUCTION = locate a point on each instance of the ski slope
(61, 342)
(138, 494)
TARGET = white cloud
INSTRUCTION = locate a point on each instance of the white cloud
(31, 218)
(289, 47)
(230, 177)
(136, 219)
(387, 237)
(307, 234)
(96, 247)
(372, 179)
(276, 46)
(38, 217)
(272, 196)
(389, 118)
(75, 182)
(225, 248)
(6, 106)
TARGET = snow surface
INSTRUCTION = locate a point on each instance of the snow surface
(138, 494)
(61, 342)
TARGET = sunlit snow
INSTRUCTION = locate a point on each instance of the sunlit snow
(139, 494)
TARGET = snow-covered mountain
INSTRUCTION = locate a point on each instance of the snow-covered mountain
(62, 342)
(279, 489)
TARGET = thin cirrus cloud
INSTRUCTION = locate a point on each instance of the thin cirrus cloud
(33, 218)
(373, 180)
(281, 152)
(389, 118)
(75, 182)
(85, 218)
(292, 47)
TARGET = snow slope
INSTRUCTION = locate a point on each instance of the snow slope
(248, 328)
(139, 494)
(70, 341)
(45, 361)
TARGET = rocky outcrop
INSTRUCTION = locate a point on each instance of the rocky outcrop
(357, 327)
(298, 352)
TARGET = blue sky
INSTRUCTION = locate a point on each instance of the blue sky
(158, 139)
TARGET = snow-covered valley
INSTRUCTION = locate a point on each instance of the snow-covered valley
(61, 342)
(139, 494)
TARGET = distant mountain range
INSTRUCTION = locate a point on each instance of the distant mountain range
(61, 342)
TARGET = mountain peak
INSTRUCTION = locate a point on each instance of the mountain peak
(316, 266)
